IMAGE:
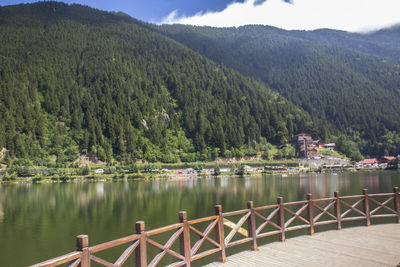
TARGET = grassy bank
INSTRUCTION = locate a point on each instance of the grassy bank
(41, 174)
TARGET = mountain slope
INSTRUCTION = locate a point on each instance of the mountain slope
(76, 80)
(383, 43)
(356, 91)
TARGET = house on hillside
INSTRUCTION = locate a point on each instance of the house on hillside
(301, 137)
(386, 159)
(305, 144)
(327, 146)
(330, 146)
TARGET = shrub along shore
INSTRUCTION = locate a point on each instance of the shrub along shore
(40, 174)
(194, 170)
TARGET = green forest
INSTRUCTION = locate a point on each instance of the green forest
(346, 79)
(79, 81)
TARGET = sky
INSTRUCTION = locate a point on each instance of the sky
(347, 15)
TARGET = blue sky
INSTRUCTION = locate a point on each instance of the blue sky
(347, 15)
(148, 10)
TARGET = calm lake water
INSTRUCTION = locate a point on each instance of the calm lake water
(40, 221)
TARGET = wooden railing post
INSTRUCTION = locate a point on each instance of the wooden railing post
(219, 233)
(281, 219)
(396, 200)
(338, 213)
(82, 244)
(310, 213)
(366, 208)
(141, 252)
(252, 226)
(185, 238)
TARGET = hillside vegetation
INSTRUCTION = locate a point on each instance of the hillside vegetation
(347, 79)
(75, 80)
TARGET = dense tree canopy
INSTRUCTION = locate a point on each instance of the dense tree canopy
(349, 80)
(75, 80)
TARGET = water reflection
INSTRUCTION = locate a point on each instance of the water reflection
(46, 218)
(1, 212)
(100, 189)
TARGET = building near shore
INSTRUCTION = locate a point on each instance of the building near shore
(368, 162)
(305, 144)
(327, 146)
(386, 159)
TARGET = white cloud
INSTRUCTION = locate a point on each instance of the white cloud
(347, 15)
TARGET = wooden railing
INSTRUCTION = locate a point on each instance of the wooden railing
(277, 219)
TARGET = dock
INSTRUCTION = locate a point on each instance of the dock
(377, 245)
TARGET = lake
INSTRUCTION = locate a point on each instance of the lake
(41, 221)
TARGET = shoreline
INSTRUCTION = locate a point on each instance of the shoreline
(165, 176)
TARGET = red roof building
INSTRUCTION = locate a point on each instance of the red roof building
(369, 161)
(386, 159)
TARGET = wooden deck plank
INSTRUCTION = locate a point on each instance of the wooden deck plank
(377, 245)
(327, 248)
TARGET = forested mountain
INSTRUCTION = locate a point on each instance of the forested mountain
(350, 80)
(383, 43)
(75, 80)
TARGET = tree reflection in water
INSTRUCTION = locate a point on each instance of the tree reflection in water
(40, 221)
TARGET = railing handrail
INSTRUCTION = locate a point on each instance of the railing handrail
(336, 210)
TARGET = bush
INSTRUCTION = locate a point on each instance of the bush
(393, 164)
(37, 178)
(83, 170)
(241, 170)
(64, 178)
(109, 170)
(188, 157)
(198, 167)
(217, 170)
(22, 162)
(265, 154)
(10, 177)
(251, 152)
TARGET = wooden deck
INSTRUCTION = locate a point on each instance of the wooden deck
(377, 245)
(365, 246)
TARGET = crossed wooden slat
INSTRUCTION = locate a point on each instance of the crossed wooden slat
(352, 207)
(324, 210)
(296, 215)
(232, 225)
(382, 205)
(74, 263)
(166, 248)
(121, 260)
(267, 220)
(236, 228)
(203, 237)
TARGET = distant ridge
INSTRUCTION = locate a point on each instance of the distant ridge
(351, 80)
